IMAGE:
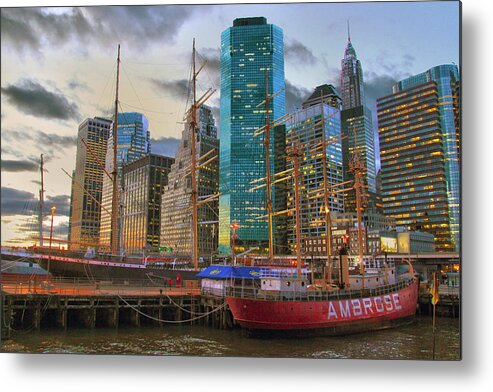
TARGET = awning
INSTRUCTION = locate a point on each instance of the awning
(228, 272)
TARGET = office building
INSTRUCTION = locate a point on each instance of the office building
(252, 64)
(176, 204)
(87, 183)
(143, 182)
(133, 140)
(357, 129)
(308, 128)
(446, 77)
(413, 159)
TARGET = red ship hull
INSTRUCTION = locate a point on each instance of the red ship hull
(326, 317)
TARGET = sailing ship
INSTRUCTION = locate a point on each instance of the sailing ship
(115, 265)
(368, 296)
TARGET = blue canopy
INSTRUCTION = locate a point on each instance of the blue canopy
(228, 272)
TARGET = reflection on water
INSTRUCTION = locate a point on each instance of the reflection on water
(414, 341)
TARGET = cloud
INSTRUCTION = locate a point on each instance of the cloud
(177, 88)
(50, 144)
(19, 166)
(166, 146)
(18, 202)
(212, 73)
(75, 84)
(31, 29)
(298, 54)
(32, 98)
(295, 95)
(377, 86)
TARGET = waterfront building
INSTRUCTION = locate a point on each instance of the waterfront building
(446, 77)
(413, 162)
(143, 183)
(133, 140)
(308, 129)
(87, 183)
(357, 128)
(176, 204)
(252, 63)
(412, 242)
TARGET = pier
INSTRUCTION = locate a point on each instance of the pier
(67, 303)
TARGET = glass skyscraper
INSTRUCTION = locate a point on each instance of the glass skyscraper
(306, 128)
(446, 77)
(252, 61)
(134, 141)
(357, 128)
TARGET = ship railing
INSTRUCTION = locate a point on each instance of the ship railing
(273, 295)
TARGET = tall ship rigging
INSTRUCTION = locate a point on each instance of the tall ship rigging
(115, 264)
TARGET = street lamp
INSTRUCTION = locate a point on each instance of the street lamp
(51, 235)
(233, 226)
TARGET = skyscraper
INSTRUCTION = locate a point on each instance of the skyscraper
(413, 158)
(144, 180)
(133, 140)
(87, 183)
(176, 204)
(357, 128)
(252, 64)
(352, 88)
(446, 77)
(308, 128)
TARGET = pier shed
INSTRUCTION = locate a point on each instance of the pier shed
(217, 278)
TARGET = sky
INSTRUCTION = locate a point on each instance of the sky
(58, 67)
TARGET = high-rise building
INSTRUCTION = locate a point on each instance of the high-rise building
(306, 128)
(133, 140)
(446, 77)
(176, 204)
(413, 159)
(351, 84)
(357, 128)
(252, 65)
(87, 183)
(143, 183)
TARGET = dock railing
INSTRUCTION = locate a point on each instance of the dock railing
(80, 286)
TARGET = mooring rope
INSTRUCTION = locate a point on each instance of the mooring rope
(173, 321)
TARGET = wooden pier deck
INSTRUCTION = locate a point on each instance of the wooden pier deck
(66, 304)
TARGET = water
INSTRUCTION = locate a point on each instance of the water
(414, 341)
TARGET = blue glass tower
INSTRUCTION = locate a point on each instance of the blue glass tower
(445, 76)
(252, 61)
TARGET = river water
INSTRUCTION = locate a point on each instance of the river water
(414, 341)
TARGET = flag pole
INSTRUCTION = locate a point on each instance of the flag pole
(434, 300)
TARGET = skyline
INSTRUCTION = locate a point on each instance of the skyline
(83, 84)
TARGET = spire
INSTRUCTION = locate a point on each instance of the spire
(348, 33)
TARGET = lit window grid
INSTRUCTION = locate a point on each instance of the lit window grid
(419, 199)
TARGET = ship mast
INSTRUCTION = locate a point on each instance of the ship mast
(328, 223)
(193, 125)
(267, 168)
(201, 161)
(357, 168)
(41, 203)
(296, 154)
(115, 246)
